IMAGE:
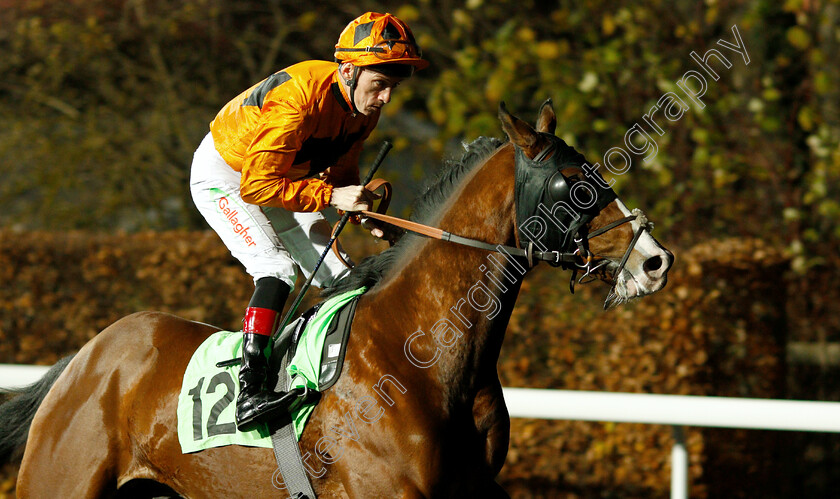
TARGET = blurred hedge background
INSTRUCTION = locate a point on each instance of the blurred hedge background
(102, 103)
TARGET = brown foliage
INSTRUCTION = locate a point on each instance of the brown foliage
(62, 289)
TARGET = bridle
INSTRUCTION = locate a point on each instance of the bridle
(540, 183)
(644, 224)
(573, 253)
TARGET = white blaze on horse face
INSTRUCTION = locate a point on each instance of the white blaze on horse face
(646, 270)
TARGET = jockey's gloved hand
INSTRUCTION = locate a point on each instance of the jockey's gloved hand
(352, 198)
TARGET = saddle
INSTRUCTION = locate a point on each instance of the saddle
(332, 353)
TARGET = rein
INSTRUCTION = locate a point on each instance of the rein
(532, 256)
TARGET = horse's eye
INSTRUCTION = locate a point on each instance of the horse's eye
(558, 187)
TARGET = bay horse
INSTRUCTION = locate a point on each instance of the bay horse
(418, 410)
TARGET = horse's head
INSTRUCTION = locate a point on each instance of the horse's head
(563, 205)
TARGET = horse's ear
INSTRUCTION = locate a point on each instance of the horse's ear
(546, 119)
(519, 132)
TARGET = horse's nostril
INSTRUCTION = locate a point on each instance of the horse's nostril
(653, 264)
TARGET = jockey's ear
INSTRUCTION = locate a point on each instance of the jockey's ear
(345, 70)
(519, 132)
(546, 119)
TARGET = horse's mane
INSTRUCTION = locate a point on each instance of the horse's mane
(370, 270)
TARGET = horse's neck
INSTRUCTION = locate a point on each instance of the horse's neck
(462, 296)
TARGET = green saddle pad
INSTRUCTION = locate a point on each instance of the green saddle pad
(207, 402)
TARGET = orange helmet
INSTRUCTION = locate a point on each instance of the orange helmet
(375, 38)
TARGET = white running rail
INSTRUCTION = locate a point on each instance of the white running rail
(676, 411)
(16, 376)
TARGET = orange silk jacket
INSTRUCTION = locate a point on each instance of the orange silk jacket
(293, 137)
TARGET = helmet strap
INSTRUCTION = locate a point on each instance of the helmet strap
(354, 82)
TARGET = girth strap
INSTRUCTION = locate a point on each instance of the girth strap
(286, 449)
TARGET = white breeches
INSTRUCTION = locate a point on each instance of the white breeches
(268, 241)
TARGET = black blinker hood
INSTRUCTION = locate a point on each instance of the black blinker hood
(541, 190)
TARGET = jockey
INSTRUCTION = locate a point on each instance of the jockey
(277, 155)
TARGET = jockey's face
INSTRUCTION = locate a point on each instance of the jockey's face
(373, 89)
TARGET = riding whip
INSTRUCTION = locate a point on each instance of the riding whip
(386, 146)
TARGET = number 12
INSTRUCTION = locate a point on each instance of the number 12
(213, 427)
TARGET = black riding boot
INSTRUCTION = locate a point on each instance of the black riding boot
(256, 403)
(252, 371)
